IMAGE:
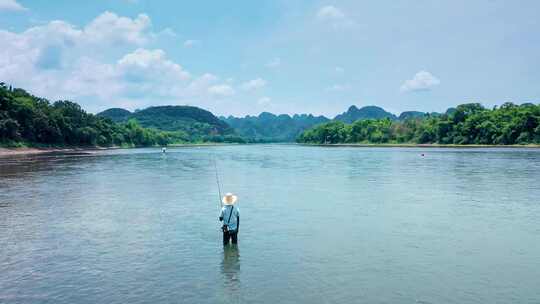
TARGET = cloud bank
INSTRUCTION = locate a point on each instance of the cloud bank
(106, 63)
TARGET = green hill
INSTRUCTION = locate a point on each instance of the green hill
(411, 115)
(116, 114)
(196, 122)
(28, 120)
(369, 112)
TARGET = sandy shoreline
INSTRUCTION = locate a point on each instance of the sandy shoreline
(5, 152)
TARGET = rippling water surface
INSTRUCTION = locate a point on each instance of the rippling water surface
(319, 225)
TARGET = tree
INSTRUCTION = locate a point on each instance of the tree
(466, 124)
(28, 118)
(9, 129)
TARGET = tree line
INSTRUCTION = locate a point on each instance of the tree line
(470, 123)
(27, 119)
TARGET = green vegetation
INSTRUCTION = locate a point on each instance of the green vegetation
(467, 124)
(27, 120)
(32, 121)
(116, 114)
(369, 112)
(196, 124)
(410, 115)
(268, 127)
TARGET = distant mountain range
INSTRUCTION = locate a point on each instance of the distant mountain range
(266, 127)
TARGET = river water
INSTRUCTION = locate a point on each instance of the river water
(318, 225)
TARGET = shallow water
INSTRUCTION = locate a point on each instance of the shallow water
(319, 225)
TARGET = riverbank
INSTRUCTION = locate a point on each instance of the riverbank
(5, 152)
(409, 145)
(25, 150)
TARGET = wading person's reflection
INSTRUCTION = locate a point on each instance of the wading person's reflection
(230, 267)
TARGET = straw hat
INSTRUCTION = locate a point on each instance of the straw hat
(229, 199)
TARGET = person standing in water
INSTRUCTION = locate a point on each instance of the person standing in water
(230, 216)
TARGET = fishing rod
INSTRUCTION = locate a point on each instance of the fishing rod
(217, 179)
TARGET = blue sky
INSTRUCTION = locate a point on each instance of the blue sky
(245, 57)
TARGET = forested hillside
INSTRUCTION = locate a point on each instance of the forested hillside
(196, 123)
(467, 124)
(268, 127)
(29, 120)
(116, 114)
(368, 112)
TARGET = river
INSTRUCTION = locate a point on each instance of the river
(318, 225)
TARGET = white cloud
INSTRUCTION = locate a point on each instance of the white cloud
(334, 16)
(11, 5)
(53, 33)
(149, 65)
(106, 30)
(114, 29)
(149, 73)
(89, 77)
(221, 90)
(190, 43)
(253, 84)
(264, 101)
(201, 84)
(274, 63)
(60, 61)
(422, 81)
